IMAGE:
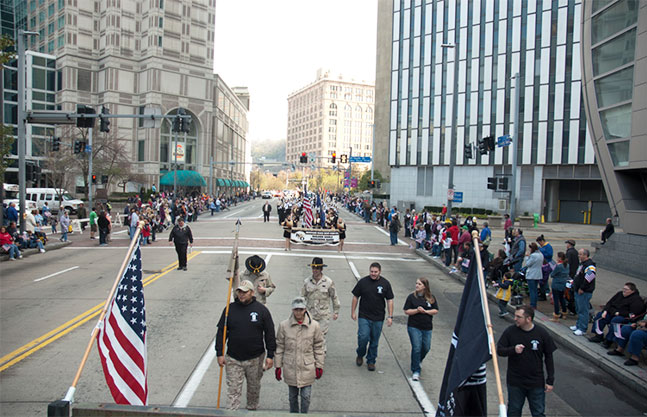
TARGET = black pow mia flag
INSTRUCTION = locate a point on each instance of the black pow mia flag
(465, 368)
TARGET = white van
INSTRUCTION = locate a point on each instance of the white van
(11, 196)
(51, 196)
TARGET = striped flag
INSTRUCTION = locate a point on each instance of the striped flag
(307, 211)
(122, 338)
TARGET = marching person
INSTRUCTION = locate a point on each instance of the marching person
(319, 291)
(372, 292)
(181, 236)
(287, 224)
(421, 307)
(300, 355)
(256, 274)
(250, 334)
(526, 347)
(267, 209)
(341, 227)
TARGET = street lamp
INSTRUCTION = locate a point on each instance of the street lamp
(452, 150)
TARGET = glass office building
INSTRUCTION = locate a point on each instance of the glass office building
(492, 40)
(615, 90)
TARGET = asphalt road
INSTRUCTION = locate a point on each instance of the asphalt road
(46, 317)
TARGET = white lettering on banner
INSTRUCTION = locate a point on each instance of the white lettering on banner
(328, 237)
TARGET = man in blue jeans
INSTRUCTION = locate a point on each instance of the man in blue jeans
(583, 286)
(373, 292)
(527, 347)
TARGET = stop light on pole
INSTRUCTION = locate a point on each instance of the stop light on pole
(482, 146)
(371, 184)
(490, 143)
(343, 159)
(304, 158)
(491, 183)
(104, 123)
(94, 179)
(334, 157)
(468, 151)
(77, 146)
(503, 184)
(56, 144)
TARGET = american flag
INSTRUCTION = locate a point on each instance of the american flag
(122, 338)
(307, 212)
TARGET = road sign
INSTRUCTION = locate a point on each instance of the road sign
(360, 159)
(152, 123)
(503, 141)
(450, 194)
(458, 196)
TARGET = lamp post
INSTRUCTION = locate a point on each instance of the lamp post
(452, 150)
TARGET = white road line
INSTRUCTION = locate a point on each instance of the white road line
(231, 214)
(426, 404)
(270, 239)
(352, 267)
(387, 233)
(121, 231)
(308, 255)
(194, 381)
(55, 273)
(267, 259)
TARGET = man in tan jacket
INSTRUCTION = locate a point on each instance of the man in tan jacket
(300, 355)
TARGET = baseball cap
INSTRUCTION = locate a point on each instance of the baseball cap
(245, 286)
(298, 302)
(571, 241)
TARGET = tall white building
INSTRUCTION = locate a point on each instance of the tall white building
(331, 115)
(494, 39)
(127, 55)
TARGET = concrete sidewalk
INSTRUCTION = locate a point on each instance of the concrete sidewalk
(634, 378)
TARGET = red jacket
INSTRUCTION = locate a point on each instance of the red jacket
(6, 239)
(453, 231)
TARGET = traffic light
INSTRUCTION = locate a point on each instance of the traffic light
(304, 158)
(94, 179)
(56, 144)
(176, 124)
(343, 159)
(468, 151)
(82, 121)
(371, 184)
(104, 123)
(490, 143)
(482, 146)
(104, 179)
(77, 146)
(35, 173)
(334, 157)
(184, 123)
(503, 184)
(491, 183)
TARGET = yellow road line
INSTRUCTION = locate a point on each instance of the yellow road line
(17, 355)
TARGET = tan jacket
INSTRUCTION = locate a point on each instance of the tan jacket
(261, 280)
(318, 295)
(299, 350)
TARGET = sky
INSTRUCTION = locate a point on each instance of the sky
(275, 47)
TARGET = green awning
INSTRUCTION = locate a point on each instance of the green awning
(221, 182)
(234, 183)
(227, 183)
(185, 178)
(239, 183)
(245, 184)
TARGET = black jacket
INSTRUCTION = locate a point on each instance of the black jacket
(633, 304)
(580, 282)
(181, 235)
(250, 331)
(573, 261)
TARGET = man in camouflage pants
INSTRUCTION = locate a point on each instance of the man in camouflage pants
(250, 335)
(319, 290)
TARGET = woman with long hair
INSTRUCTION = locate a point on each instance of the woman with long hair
(534, 261)
(420, 306)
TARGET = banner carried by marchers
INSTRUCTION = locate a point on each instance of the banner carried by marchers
(329, 237)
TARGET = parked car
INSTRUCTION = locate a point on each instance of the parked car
(266, 195)
(52, 197)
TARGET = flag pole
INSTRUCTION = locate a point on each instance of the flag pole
(233, 268)
(488, 322)
(69, 397)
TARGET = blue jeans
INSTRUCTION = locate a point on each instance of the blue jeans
(64, 232)
(368, 333)
(517, 397)
(420, 345)
(133, 229)
(532, 291)
(394, 238)
(293, 396)
(13, 251)
(582, 302)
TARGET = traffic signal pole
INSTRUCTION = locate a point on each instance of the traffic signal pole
(513, 148)
(90, 168)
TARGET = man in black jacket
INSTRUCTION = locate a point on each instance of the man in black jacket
(182, 237)
(250, 333)
(626, 303)
(583, 285)
(267, 209)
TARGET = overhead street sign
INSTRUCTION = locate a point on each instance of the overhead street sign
(503, 141)
(153, 122)
(360, 159)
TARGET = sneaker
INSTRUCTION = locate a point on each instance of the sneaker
(505, 313)
(12, 259)
(578, 332)
(359, 361)
(19, 256)
(184, 269)
(415, 376)
(179, 268)
(573, 328)
(371, 367)
(42, 251)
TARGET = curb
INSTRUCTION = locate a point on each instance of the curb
(634, 378)
(34, 251)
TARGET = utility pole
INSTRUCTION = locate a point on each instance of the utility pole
(22, 133)
(175, 168)
(452, 150)
(513, 149)
(211, 175)
(90, 168)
